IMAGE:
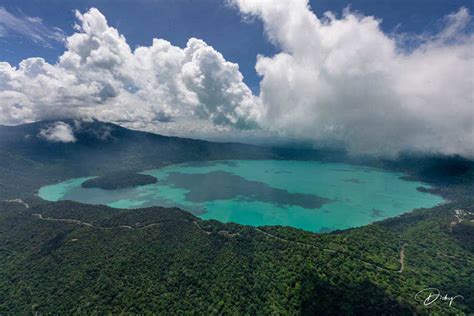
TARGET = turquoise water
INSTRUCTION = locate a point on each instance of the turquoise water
(311, 195)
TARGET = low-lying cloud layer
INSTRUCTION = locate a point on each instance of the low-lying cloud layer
(335, 82)
(345, 81)
(58, 132)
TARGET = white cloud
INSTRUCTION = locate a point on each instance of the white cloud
(58, 132)
(99, 76)
(344, 81)
(29, 27)
(3, 32)
(335, 81)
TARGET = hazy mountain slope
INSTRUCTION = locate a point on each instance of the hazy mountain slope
(100, 144)
(104, 147)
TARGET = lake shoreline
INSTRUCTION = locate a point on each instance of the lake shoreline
(310, 195)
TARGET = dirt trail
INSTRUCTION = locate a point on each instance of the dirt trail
(74, 221)
(20, 201)
(333, 251)
(66, 220)
(267, 234)
(402, 259)
(78, 222)
(201, 229)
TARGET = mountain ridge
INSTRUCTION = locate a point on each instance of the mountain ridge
(86, 259)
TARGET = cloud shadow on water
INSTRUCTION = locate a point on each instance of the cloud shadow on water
(220, 185)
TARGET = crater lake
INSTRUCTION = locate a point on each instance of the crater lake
(310, 195)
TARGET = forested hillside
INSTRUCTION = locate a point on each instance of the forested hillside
(67, 257)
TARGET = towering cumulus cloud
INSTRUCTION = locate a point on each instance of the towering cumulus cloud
(99, 76)
(344, 81)
(335, 81)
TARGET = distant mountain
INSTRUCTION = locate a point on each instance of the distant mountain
(110, 143)
(71, 258)
(102, 144)
(101, 148)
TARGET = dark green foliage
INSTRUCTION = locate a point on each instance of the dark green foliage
(72, 258)
(119, 180)
(167, 261)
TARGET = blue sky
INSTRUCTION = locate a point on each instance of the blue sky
(380, 78)
(214, 21)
